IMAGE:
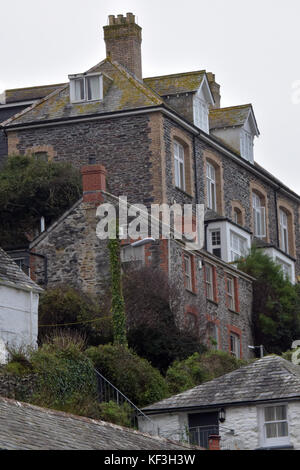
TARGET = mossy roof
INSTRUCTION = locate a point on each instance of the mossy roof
(121, 92)
(229, 117)
(177, 83)
(30, 93)
(11, 275)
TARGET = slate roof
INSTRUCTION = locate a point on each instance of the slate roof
(229, 117)
(122, 92)
(30, 93)
(12, 275)
(28, 427)
(269, 378)
(176, 83)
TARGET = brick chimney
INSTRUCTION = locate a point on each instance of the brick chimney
(215, 89)
(123, 39)
(93, 182)
(214, 442)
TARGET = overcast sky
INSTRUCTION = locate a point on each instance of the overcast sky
(252, 47)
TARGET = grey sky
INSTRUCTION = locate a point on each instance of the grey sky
(252, 47)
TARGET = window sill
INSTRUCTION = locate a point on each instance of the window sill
(191, 291)
(183, 192)
(212, 302)
(233, 311)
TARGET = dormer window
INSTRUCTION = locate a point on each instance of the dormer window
(86, 88)
(247, 145)
(201, 111)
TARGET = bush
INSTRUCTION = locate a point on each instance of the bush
(80, 311)
(276, 303)
(117, 414)
(64, 373)
(30, 189)
(152, 330)
(132, 375)
(199, 368)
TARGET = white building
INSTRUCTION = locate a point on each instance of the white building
(254, 407)
(19, 299)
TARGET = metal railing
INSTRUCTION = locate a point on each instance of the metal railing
(108, 392)
(199, 435)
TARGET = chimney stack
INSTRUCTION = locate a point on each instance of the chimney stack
(123, 39)
(214, 442)
(93, 183)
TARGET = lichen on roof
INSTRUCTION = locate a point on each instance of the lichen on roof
(229, 117)
(176, 83)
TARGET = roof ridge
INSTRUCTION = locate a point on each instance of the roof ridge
(239, 106)
(176, 74)
(139, 85)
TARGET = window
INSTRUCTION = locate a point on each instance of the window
(209, 282)
(238, 246)
(213, 335)
(230, 292)
(188, 272)
(41, 156)
(86, 88)
(274, 430)
(284, 242)
(286, 268)
(237, 216)
(235, 345)
(201, 112)
(216, 242)
(130, 254)
(211, 187)
(179, 166)
(259, 216)
(246, 143)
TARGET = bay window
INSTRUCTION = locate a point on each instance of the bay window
(238, 246)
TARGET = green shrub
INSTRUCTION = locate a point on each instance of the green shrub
(132, 375)
(79, 311)
(117, 414)
(64, 373)
(30, 189)
(199, 368)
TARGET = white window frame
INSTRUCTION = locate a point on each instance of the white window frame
(237, 250)
(246, 143)
(236, 350)
(85, 79)
(209, 281)
(179, 165)
(201, 113)
(259, 217)
(131, 254)
(286, 268)
(284, 231)
(211, 196)
(188, 272)
(273, 441)
(230, 292)
(217, 246)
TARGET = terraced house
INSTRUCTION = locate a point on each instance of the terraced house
(159, 140)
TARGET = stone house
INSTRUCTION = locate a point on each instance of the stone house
(19, 299)
(161, 140)
(254, 407)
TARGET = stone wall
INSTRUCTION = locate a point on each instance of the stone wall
(16, 387)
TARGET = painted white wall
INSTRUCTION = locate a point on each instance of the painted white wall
(18, 317)
(244, 420)
(230, 135)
